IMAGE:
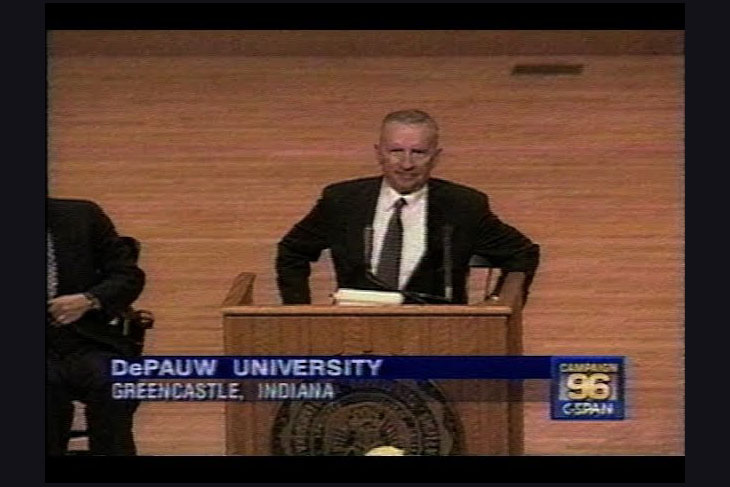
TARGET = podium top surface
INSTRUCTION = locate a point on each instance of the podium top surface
(403, 310)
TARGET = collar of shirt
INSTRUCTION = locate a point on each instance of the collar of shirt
(388, 197)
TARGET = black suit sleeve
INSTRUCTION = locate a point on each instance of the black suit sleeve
(505, 246)
(120, 279)
(303, 244)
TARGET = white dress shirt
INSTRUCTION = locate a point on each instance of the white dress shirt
(413, 216)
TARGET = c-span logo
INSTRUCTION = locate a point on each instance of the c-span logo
(587, 388)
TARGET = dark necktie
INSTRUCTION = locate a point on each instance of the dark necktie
(389, 264)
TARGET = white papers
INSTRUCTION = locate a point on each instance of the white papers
(359, 297)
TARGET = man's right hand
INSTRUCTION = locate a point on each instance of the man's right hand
(68, 308)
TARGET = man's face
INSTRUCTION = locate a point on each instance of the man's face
(407, 154)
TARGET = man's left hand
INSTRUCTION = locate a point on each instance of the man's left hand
(69, 308)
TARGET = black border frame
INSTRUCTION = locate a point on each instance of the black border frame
(244, 469)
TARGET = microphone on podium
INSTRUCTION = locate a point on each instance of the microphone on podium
(420, 298)
(448, 264)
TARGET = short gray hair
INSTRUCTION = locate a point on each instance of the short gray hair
(412, 117)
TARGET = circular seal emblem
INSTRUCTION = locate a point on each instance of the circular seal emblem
(413, 416)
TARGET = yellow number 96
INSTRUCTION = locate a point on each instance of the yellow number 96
(588, 386)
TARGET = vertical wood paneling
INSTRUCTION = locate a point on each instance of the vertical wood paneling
(240, 435)
(209, 160)
(324, 339)
(356, 336)
(266, 342)
(468, 393)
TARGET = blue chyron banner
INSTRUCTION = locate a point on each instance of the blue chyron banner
(581, 387)
(324, 367)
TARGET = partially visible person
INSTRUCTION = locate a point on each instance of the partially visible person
(92, 278)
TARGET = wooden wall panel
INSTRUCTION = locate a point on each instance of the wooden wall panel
(209, 160)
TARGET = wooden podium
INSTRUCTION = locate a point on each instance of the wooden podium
(484, 417)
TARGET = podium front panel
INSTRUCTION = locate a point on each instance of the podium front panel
(477, 412)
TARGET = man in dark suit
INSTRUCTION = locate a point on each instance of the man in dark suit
(92, 278)
(403, 230)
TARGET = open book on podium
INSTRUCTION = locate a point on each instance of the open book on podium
(420, 416)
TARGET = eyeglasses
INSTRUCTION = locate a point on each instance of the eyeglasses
(417, 156)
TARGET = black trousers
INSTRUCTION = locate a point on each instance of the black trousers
(82, 375)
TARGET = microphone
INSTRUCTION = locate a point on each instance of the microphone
(418, 297)
(368, 246)
(448, 264)
(367, 236)
(421, 298)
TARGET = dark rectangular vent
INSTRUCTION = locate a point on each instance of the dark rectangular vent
(547, 69)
